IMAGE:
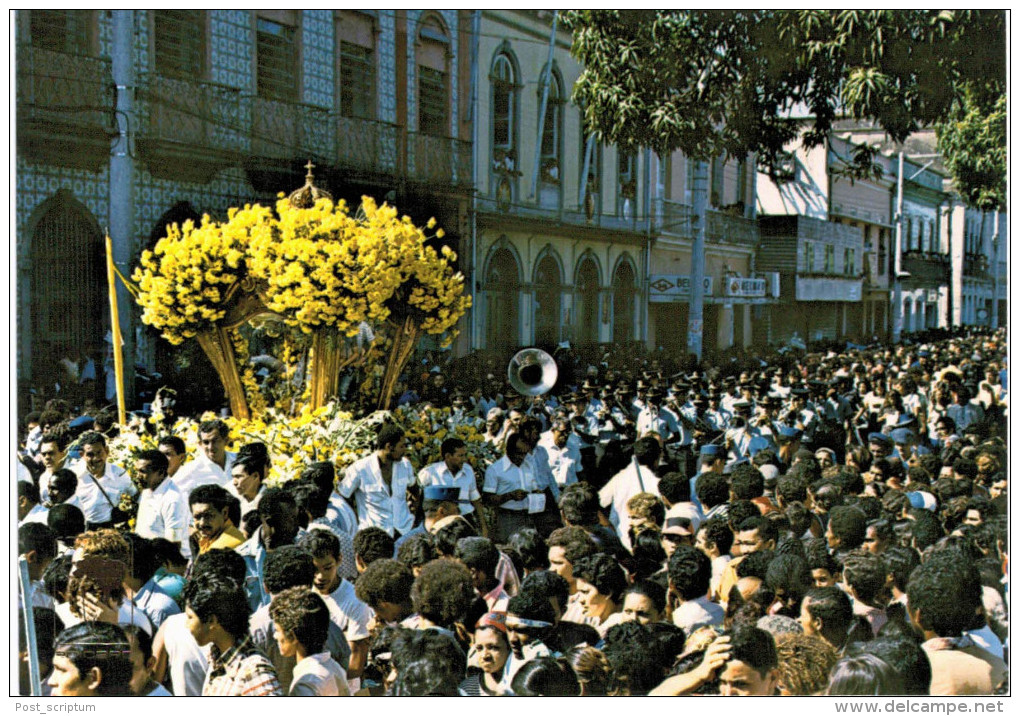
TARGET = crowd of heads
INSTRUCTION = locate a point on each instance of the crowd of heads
(862, 537)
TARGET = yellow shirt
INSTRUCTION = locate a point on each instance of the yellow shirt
(230, 538)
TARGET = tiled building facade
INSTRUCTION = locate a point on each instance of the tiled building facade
(227, 106)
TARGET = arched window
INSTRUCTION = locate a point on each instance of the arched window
(550, 157)
(503, 284)
(548, 290)
(68, 284)
(623, 302)
(504, 104)
(591, 185)
(588, 305)
(433, 55)
(505, 109)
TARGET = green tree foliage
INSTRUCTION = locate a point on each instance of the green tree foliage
(725, 82)
(973, 141)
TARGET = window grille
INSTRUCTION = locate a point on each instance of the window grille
(357, 81)
(276, 64)
(179, 43)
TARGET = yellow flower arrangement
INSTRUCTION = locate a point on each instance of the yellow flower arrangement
(318, 268)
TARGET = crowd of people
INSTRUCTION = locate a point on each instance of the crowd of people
(814, 523)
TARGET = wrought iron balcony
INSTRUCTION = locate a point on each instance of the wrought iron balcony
(438, 160)
(65, 106)
(291, 130)
(676, 219)
(190, 128)
(723, 227)
(364, 146)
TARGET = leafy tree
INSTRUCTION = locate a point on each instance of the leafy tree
(723, 82)
(973, 141)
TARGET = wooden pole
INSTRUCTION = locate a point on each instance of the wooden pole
(118, 356)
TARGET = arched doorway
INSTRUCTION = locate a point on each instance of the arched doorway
(68, 292)
(588, 305)
(548, 288)
(503, 284)
(623, 303)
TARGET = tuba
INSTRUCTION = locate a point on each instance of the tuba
(532, 371)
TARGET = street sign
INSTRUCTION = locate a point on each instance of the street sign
(673, 288)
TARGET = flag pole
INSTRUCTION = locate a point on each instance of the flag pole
(118, 356)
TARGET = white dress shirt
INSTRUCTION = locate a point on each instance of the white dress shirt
(561, 460)
(377, 504)
(162, 513)
(203, 471)
(503, 476)
(628, 482)
(36, 514)
(114, 482)
(438, 473)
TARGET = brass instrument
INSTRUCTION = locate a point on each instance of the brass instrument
(532, 371)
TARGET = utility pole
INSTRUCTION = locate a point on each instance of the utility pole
(993, 320)
(695, 317)
(122, 182)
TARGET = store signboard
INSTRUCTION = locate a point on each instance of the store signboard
(673, 288)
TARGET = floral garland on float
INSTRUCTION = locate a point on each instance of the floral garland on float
(341, 290)
(325, 433)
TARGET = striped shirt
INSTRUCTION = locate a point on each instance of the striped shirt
(242, 670)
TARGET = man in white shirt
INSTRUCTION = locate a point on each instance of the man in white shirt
(248, 474)
(636, 477)
(690, 575)
(454, 471)
(514, 490)
(348, 612)
(175, 451)
(379, 483)
(100, 484)
(653, 418)
(52, 452)
(213, 464)
(161, 508)
(29, 509)
(564, 459)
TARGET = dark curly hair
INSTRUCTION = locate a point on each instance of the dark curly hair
(747, 482)
(372, 543)
(690, 572)
(712, 490)
(443, 592)
(303, 614)
(850, 525)
(576, 543)
(287, 567)
(946, 593)
(416, 551)
(385, 580)
(717, 531)
(579, 504)
(604, 573)
(532, 548)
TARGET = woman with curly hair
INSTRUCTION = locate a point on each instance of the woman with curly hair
(600, 582)
(804, 664)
